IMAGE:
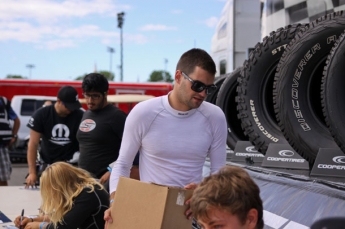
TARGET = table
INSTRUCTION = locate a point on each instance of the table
(15, 198)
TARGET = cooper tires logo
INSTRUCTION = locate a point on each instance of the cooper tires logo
(251, 149)
(339, 159)
(286, 153)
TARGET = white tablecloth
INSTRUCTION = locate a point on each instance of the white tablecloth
(15, 198)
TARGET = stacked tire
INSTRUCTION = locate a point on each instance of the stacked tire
(226, 100)
(297, 86)
(290, 90)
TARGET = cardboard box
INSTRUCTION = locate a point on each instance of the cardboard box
(149, 206)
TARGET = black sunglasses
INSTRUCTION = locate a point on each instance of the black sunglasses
(198, 86)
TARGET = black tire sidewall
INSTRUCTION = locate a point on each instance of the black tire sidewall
(298, 120)
(226, 101)
(334, 93)
(255, 90)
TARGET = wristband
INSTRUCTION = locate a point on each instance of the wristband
(42, 224)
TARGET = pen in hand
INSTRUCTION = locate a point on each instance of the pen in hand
(21, 219)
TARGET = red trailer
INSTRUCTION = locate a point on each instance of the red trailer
(11, 87)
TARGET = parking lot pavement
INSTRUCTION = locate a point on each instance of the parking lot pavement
(19, 171)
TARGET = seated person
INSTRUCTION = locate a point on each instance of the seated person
(229, 199)
(71, 199)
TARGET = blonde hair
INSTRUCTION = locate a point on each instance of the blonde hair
(60, 184)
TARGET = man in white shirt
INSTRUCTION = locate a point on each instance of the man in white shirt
(176, 132)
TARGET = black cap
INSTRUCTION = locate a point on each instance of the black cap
(69, 96)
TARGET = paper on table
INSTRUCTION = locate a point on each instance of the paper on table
(10, 227)
(4, 218)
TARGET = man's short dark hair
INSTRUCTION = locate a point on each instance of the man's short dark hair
(196, 57)
(95, 82)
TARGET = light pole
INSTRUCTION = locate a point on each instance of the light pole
(165, 68)
(111, 51)
(30, 66)
(120, 19)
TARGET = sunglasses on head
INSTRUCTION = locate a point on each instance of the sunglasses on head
(198, 86)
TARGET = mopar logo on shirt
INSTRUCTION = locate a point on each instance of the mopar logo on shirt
(60, 134)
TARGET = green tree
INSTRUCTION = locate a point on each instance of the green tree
(80, 77)
(15, 77)
(107, 74)
(160, 76)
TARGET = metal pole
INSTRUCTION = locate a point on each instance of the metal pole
(165, 69)
(120, 19)
(30, 66)
(121, 57)
(111, 51)
(110, 64)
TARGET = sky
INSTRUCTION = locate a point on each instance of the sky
(64, 39)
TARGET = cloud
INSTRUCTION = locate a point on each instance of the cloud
(137, 38)
(85, 31)
(48, 11)
(211, 22)
(57, 44)
(49, 24)
(26, 32)
(177, 11)
(21, 31)
(151, 27)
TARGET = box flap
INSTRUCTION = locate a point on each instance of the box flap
(174, 216)
(138, 205)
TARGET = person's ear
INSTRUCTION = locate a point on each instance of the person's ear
(178, 75)
(252, 218)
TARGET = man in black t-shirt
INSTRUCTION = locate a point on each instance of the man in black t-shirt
(100, 131)
(57, 125)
